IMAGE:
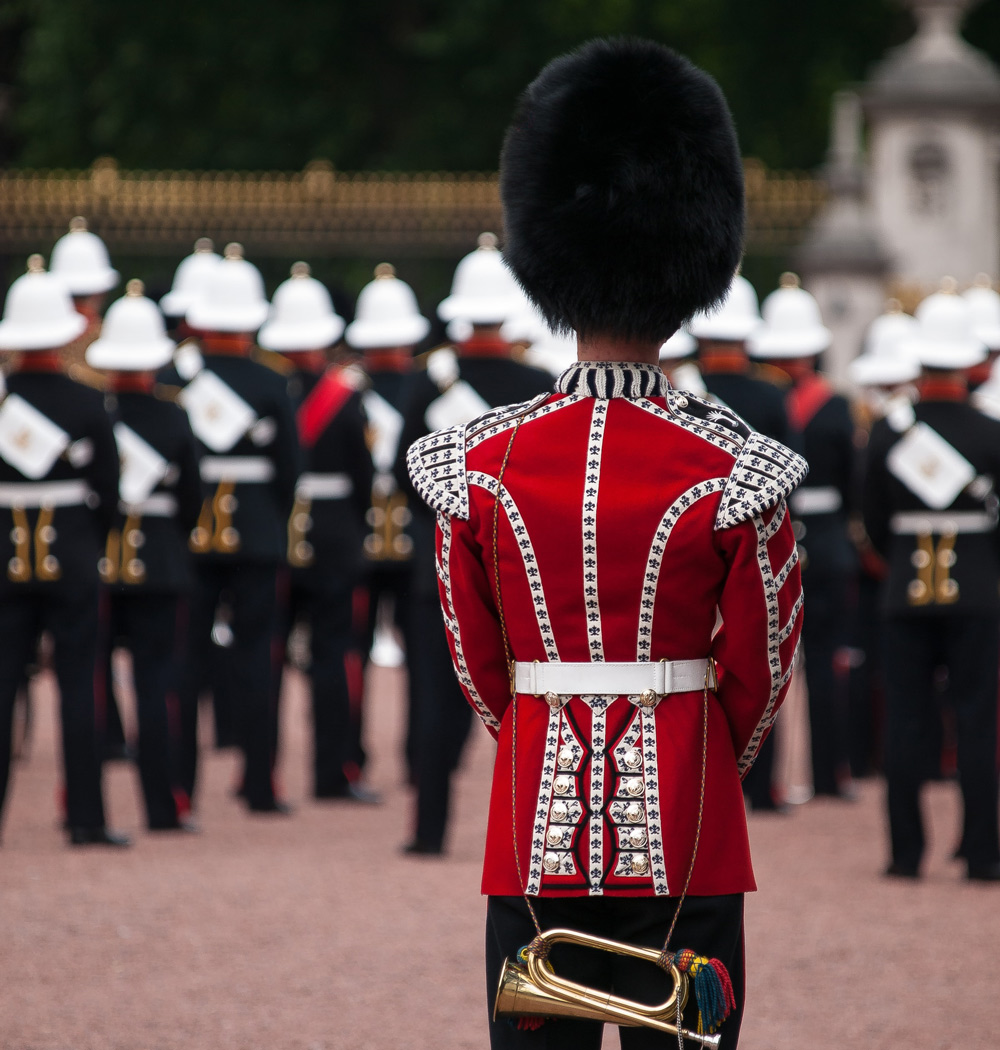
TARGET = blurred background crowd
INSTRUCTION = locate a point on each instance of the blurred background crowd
(202, 437)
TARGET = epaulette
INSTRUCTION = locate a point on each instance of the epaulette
(708, 413)
(764, 473)
(436, 462)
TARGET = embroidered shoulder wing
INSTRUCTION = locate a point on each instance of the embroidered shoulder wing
(764, 473)
(437, 469)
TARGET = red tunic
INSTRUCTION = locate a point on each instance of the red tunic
(630, 524)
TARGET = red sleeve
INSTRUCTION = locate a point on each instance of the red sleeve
(471, 621)
(760, 607)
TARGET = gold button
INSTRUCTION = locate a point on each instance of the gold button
(947, 558)
(50, 563)
(135, 538)
(373, 545)
(375, 516)
(554, 836)
(552, 699)
(920, 559)
(633, 813)
(304, 551)
(632, 758)
(637, 837)
(563, 785)
(916, 589)
(566, 758)
(401, 516)
(136, 567)
(640, 863)
(647, 698)
(47, 534)
(550, 862)
(15, 565)
(560, 811)
(948, 590)
(104, 566)
(228, 503)
(230, 537)
(303, 522)
(403, 546)
(199, 536)
(634, 785)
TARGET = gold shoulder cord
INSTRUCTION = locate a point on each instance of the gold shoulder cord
(513, 695)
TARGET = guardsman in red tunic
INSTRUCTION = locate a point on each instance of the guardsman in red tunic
(617, 568)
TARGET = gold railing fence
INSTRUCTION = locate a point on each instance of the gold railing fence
(318, 211)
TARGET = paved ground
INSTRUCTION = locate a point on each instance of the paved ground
(314, 933)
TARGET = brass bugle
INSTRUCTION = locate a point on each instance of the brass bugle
(536, 990)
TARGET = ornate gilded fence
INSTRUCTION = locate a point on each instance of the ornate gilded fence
(317, 212)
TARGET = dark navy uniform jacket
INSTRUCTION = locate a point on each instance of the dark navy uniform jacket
(157, 541)
(332, 529)
(953, 565)
(58, 547)
(257, 511)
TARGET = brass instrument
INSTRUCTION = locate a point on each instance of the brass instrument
(534, 989)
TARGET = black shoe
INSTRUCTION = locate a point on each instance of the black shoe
(423, 849)
(98, 837)
(354, 792)
(185, 824)
(984, 873)
(901, 871)
(277, 806)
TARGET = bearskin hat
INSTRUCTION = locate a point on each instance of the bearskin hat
(622, 191)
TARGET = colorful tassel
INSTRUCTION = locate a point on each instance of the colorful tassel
(713, 990)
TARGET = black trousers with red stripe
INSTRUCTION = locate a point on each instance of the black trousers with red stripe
(71, 617)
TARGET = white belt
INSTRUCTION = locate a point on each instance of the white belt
(44, 493)
(575, 679)
(324, 486)
(819, 499)
(237, 468)
(159, 505)
(948, 523)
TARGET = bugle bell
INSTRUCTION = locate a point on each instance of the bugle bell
(534, 989)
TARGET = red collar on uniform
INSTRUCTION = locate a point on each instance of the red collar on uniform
(41, 361)
(942, 388)
(132, 382)
(236, 344)
(484, 346)
(715, 361)
(398, 359)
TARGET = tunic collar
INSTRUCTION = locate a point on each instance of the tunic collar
(604, 379)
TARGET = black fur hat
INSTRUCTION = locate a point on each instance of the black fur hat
(622, 190)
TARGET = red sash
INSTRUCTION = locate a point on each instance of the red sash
(325, 400)
(805, 399)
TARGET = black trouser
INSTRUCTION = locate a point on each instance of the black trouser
(331, 637)
(443, 719)
(915, 647)
(250, 590)
(147, 625)
(70, 617)
(711, 926)
(823, 633)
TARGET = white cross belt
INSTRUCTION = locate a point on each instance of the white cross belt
(947, 523)
(324, 486)
(44, 493)
(618, 679)
(257, 469)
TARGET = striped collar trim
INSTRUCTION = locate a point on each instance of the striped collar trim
(606, 379)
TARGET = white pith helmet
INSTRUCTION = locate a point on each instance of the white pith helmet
(190, 277)
(526, 324)
(80, 260)
(792, 325)
(302, 316)
(39, 313)
(483, 290)
(133, 337)
(681, 344)
(984, 303)
(734, 319)
(944, 336)
(884, 361)
(233, 299)
(387, 313)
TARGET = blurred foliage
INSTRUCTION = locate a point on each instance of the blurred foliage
(399, 84)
